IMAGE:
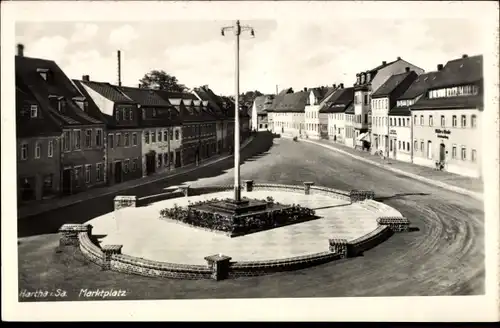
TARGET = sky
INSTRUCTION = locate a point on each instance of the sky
(284, 53)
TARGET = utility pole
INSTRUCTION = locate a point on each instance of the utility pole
(237, 29)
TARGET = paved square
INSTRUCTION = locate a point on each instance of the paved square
(143, 234)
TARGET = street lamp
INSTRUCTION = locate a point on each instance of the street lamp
(237, 29)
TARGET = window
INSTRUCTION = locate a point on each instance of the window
(146, 137)
(134, 165)
(117, 114)
(422, 146)
(159, 135)
(407, 146)
(391, 120)
(421, 119)
(429, 149)
(454, 121)
(66, 140)
(404, 148)
(77, 142)
(98, 137)
(118, 140)
(431, 121)
(366, 99)
(473, 122)
(464, 153)
(38, 150)
(61, 106)
(415, 145)
(77, 173)
(408, 121)
(165, 158)
(159, 158)
(50, 148)
(165, 135)
(443, 121)
(454, 151)
(134, 139)
(399, 144)
(415, 120)
(126, 164)
(130, 115)
(88, 167)
(399, 121)
(98, 171)
(34, 111)
(153, 136)
(473, 155)
(176, 134)
(111, 141)
(88, 138)
(24, 151)
(127, 140)
(464, 121)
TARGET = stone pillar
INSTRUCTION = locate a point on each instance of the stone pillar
(109, 251)
(220, 266)
(248, 185)
(184, 190)
(338, 246)
(307, 187)
(69, 233)
(125, 201)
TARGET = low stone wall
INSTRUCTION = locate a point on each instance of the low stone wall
(257, 268)
(218, 267)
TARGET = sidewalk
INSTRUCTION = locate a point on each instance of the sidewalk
(464, 185)
(51, 204)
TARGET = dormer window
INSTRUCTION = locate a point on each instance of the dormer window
(34, 111)
(61, 105)
(44, 73)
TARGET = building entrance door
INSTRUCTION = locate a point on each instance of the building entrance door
(66, 182)
(118, 172)
(151, 162)
(394, 148)
(442, 152)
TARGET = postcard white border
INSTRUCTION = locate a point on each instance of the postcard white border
(459, 308)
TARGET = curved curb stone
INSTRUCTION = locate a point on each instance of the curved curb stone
(220, 266)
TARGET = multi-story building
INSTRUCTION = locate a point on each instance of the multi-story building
(288, 113)
(401, 146)
(124, 134)
(316, 121)
(271, 115)
(260, 106)
(350, 134)
(161, 134)
(382, 100)
(83, 155)
(447, 120)
(366, 83)
(38, 147)
(336, 109)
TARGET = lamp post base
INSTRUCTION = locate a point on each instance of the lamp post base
(237, 193)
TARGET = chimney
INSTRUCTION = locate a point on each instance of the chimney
(357, 78)
(305, 89)
(139, 85)
(465, 56)
(334, 86)
(341, 85)
(119, 68)
(440, 67)
(399, 58)
(85, 78)
(407, 69)
(20, 50)
(384, 63)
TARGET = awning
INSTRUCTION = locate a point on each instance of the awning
(363, 137)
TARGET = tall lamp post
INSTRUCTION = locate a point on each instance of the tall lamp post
(237, 29)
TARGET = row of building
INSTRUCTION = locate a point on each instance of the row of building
(395, 109)
(73, 135)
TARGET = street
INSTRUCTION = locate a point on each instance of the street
(445, 256)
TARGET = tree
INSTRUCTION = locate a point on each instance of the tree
(162, 81)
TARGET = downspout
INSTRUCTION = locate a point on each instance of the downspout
(412, 144)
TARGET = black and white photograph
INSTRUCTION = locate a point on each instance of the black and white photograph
(332, 161)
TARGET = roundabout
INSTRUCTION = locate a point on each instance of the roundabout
(137, 238)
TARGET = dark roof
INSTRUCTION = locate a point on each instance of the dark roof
(279, 98)
(26, 127)
(463, 71)
(339, 101)
(420, 85)
(108, 91)
(215, 102)
(293, 102)
(460, 71)
(144, 97)
(350, 109)
(57, 86)
(320, 92)
(400, 111)
(392, 83)
(263, 103)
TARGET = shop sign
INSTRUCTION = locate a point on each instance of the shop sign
(393, 132)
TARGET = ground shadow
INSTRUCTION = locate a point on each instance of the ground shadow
(396, 196)
(49, 222)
